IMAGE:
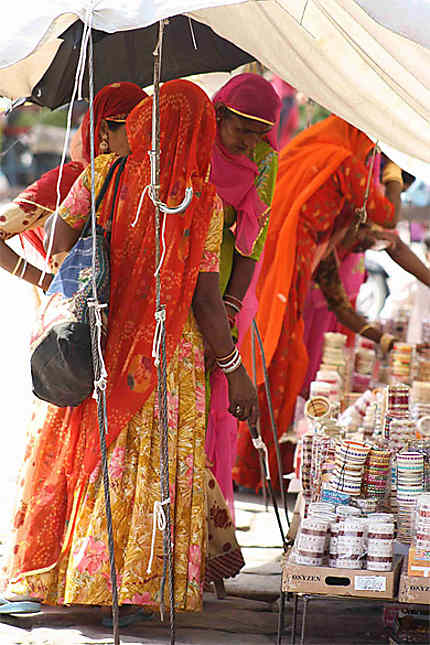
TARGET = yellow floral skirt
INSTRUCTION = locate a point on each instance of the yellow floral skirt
(82, 575)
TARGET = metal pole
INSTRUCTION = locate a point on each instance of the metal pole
(254, 378)
(272, 420)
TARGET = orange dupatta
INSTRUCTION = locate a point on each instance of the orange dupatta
(304, 165)
(187, 135)
(66, 446)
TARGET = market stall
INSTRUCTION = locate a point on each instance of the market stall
(364, 528)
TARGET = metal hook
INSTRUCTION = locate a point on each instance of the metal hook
(181, 208)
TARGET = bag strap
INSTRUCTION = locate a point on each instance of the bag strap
(118, 163)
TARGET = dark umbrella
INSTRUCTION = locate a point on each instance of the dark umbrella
(189, 47)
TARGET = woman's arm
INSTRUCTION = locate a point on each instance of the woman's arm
(65, 227)
(406, 258)
(328, 278)
(15, 264)
(65, 236)
(211, 318)
(240, 279)
(393, 190)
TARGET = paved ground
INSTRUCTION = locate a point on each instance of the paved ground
(248, 616)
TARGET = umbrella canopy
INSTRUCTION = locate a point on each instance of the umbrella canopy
(188, 47)
(367, 62)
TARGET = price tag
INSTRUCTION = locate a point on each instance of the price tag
(370, 583)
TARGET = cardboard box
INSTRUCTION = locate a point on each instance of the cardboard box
(326, 581)
(418, 563)
(413, 589)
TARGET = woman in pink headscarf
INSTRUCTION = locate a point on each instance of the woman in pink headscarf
(244, 167)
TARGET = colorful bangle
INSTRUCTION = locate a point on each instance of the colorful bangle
(223, 359)
(231, 363)
(232, 368)
(365, 328)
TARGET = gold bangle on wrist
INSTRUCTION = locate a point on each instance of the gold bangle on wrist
(365, 328)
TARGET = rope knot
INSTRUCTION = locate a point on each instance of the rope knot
(160, 319)
(100, 383)
(159, 521)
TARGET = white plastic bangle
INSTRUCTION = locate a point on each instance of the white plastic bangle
(233, 368)
(230, 362)
(232, 305)
(24, 269)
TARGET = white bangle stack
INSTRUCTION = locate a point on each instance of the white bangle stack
(230, 363)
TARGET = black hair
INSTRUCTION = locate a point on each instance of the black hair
(407, 178)
(426, 242)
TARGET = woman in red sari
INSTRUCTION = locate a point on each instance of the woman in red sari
(28, 212)
(62, 505)
(320, 171)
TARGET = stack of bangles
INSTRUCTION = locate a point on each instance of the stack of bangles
(235, 304)
(229, 363)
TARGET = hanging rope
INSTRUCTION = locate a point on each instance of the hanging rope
(160, 350)
(77, 91)
(100, 373)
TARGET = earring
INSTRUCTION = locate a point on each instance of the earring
(104, 146)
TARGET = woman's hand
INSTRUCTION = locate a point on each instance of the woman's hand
(242, 396)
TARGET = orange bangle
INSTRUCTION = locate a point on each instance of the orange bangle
(223, 359)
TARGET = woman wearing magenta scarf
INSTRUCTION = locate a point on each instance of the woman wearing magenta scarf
(244, 167)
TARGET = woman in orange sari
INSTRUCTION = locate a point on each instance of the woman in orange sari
(320, 171)
(60, 554)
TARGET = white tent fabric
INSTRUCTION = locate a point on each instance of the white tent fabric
(409, 19)
(367, 62)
